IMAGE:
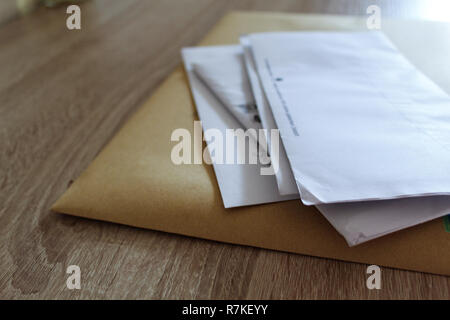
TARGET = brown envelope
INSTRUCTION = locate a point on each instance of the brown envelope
(134, 182)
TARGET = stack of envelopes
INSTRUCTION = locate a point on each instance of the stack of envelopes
(363, 137)
(351, 127)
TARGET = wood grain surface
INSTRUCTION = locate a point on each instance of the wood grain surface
(64, 94)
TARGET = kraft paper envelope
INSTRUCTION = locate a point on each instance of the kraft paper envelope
(134, 182)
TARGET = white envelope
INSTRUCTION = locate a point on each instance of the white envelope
(285, 179)
(226, 77)
(357, 120)
(358, 222)
(240, 184)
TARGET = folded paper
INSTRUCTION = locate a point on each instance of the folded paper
(285, 179)
(240, 184)
(226, 77)
(357, 119)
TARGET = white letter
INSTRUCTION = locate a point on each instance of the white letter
(374, 281)
(74, 20)
(74, 280)
(229, 145)
(198, 142)
(374, 21)
(264, 157)
(241, 136)
(274, 154)
(184, 146)
(214, 152)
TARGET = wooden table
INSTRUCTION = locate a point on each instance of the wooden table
(64, 94)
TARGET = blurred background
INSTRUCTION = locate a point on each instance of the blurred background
(423, 9)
